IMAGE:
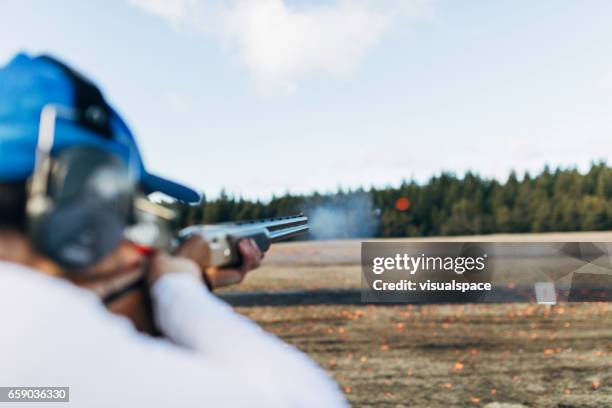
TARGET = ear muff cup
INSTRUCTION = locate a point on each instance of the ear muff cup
(90, 202)
(79, 235)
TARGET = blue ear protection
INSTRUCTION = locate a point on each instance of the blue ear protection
(80, 200)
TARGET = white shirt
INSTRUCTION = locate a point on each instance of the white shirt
(53, 333)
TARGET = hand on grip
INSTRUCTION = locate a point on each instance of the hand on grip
(196, 249)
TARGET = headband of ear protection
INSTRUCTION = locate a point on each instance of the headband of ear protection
(80, 200)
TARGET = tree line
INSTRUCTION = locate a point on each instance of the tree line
(553, 200)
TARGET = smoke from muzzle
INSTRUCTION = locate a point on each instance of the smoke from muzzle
(344, 216)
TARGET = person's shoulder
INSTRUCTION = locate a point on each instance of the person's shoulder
(54, 332)
(26, 286)
(31, 299)
(35, 306)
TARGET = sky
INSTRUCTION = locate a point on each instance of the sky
(263, 97)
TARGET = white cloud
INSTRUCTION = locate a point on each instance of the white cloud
(606, 82)
(175, 11)
(281, 44)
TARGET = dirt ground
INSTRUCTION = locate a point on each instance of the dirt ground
(492, 355)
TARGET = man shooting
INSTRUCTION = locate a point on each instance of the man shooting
(70, 172)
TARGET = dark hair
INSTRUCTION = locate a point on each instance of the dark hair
(13, 198)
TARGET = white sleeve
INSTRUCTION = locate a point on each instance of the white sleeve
(188, 314)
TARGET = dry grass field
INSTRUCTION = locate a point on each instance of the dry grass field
(491, 355)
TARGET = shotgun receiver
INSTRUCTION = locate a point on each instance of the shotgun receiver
(223, 238)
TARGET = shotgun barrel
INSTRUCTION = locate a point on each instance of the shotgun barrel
(153, 230)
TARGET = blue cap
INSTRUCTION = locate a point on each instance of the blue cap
(27, 84)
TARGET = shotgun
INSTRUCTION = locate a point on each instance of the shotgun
(223, 238)
(153, 231)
